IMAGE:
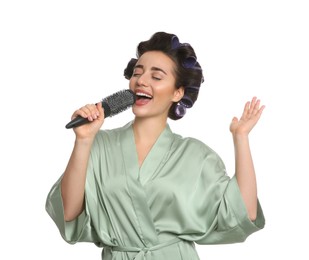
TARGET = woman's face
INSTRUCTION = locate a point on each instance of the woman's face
(153, 82)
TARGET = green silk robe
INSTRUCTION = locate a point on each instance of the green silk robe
(181, 195)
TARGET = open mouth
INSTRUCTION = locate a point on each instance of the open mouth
(141, 95)
(142, 98)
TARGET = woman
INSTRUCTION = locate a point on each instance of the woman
(143, 192)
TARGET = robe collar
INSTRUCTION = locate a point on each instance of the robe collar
(156, 157)
(137, 177)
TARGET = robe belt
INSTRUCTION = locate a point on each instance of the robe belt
(142, 252)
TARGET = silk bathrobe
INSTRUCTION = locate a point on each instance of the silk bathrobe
(181, 195)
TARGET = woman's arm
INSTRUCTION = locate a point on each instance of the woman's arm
(244, 167)
(74, 177)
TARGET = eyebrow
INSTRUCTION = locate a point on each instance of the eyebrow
(152, 68)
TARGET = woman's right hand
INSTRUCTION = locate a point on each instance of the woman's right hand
(95, 115)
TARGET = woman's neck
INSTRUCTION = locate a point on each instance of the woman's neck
(148, 129)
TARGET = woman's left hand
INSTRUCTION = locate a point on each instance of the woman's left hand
(250, 116)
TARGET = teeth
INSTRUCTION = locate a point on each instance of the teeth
(143, 95)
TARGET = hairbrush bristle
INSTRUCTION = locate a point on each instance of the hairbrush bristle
(118, 102)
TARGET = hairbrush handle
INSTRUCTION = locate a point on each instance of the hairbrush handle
(112, 105)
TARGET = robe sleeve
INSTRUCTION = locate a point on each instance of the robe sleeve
(85, 227)
(226, 220)
(77, 230)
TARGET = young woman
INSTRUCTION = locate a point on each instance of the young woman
(142, 192)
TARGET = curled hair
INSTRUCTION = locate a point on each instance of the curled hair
(188, 71)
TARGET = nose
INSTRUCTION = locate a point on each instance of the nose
(142, 80)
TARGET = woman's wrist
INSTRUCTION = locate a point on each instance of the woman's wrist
(84, 141)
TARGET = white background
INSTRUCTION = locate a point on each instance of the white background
(56, 56)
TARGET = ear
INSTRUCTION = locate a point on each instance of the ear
(178, 94)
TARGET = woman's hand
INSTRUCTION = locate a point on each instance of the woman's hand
(250, 116)
(95, 115)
